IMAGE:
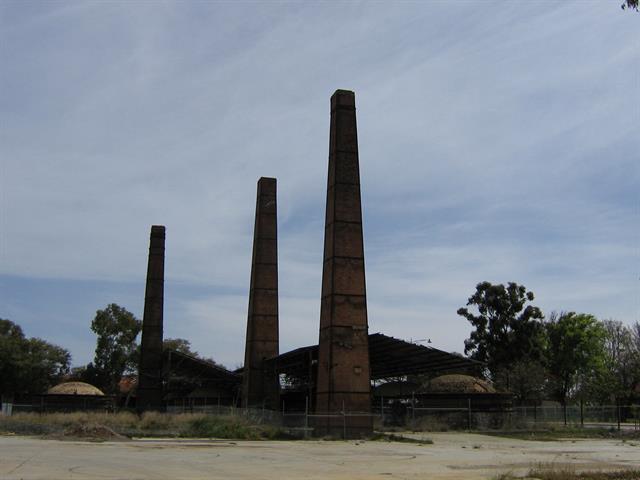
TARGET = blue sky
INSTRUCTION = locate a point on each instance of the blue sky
(498, 141)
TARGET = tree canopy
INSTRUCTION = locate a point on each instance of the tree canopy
(621, 360)
(575, 351)
(571, 355)
(179, 345)
(115, 354)
(183, 345)
(29, 365)
(506, 329)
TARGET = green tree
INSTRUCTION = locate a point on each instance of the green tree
(506, 329)
(115, 354)
(184, 346)
(28, 365)
(47, 364)
(621, 360)
(11, 354)
(525, 379)
(179, 345)
(90, 374)
(575, 353)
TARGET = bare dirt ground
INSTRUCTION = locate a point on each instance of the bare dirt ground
(451, 456)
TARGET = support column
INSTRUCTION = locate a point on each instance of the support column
(150, 390)
(260, 386)
(343, 383)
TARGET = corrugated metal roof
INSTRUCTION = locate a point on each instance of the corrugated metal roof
(388, 356)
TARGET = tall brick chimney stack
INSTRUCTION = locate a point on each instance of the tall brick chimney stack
(343, 382)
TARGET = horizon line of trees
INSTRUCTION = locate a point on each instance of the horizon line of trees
(566, 357)
(32, 365)
(28, 364)
(117, 350)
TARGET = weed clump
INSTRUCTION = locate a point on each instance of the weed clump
(220, 427)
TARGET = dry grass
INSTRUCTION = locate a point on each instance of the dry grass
(149, 424)
(553, 433)
(553, 472)
(390, 437)
(123, 419)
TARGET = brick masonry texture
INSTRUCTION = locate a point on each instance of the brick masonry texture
(343, 381)
(150, 370)
(259, 386)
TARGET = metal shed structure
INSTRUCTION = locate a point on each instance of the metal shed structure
(197, 381)
(390, 358)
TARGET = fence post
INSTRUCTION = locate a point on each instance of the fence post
(382, 408)
(413, 407)
(306, 416)
(6, 409)
(469, 413)
(619, 419)
(344, 422)
(535, 414)
(581, 412)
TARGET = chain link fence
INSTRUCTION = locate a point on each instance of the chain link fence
(303, 423)
(299, 424)
(594, 416)
(618, 417)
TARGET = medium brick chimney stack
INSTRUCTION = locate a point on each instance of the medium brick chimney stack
(260, 386)
(150, 389)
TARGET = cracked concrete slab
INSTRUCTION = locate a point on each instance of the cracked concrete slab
(451, 456)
